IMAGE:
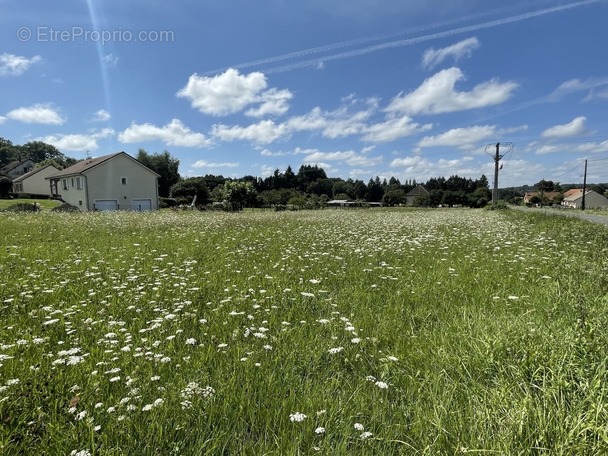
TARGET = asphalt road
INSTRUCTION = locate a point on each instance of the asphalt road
(601, 219)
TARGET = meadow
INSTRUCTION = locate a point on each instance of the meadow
(330, 332)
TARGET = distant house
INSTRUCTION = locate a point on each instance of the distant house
(17, 168)
(111, 182)
(412, 195)
(35, 181)
(550, 196)
(349, 203)
(592, 199)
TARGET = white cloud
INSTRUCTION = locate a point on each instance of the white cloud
(77, 142)
(267, 170)
(38, 113)
(576, 85)
(268, 153)
(392, 129)
(206, 164)
(231, 92)
(422, 169)
(274, 102)
(437, 94)
(264, 132)
(110, 60)
(15, 65)
(175, 133)
(457, 51)
(101, 116)
(349, 157)
(459, 137)
(2, 119)
(592, 147)
(574, 128)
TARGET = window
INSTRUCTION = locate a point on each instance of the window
(72, 182)
(64, 184)
(123, 180)
(79, 183)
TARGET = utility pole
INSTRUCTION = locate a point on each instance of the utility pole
(584, 186)
(497, 156)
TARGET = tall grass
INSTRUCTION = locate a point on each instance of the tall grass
(333, 332)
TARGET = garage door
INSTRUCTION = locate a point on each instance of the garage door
(106, 205)
(141, 205)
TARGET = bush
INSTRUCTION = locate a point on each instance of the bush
(165, 203)
(65, 207)
(498, 206)
(23, 207)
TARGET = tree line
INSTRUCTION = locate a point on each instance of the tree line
(309, 187)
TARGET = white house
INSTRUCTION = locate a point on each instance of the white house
(35, 181)
(17, 168)
(574, 198)
(111, 182)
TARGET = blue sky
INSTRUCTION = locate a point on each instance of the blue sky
(412, 89)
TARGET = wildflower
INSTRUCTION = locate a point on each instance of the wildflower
(366, 435)
(359, 427)
(191, 341)
(80, 453)
(320, 430)
(297, 417)
(381, 385)
(333, 351)
(81, 415)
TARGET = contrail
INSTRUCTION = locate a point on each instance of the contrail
(393, 43)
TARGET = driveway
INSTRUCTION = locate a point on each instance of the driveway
(601, 219)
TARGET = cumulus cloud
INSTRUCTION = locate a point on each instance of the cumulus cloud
(574, 128)
(101, 116)
(231, 92)
(459, 137)
(349, 157)
(392, 129)
(438, 94)
(263, 132)
(77, 142)
(16, 65)
(456, 51)
(38, 113)
(175, 133)
(206, 164)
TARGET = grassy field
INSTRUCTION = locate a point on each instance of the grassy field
(44, 203)
(332, 332)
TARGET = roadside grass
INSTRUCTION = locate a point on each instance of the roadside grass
(329, 332)
(44, 203)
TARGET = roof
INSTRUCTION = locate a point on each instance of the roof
(573, 191)
(577, 195)
(418, 190)
(13, 165)
(31, 173)
(89, 163)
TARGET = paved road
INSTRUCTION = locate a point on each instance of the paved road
(602, 219)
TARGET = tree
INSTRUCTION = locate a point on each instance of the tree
(8, 152)
(238, 194)
(163, 164)
(394, 196)
(38, 151)
(189, 188)
(5, 186)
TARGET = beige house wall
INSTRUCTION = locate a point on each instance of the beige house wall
(122, 179)
(74, 195)
(37, 183)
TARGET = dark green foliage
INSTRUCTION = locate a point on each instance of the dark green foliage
(163, 164)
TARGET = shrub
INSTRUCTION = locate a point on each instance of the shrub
(65, 207)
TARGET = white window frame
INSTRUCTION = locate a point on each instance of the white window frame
(79, 183)
(64, 184)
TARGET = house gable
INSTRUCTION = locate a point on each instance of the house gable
(115, 181)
